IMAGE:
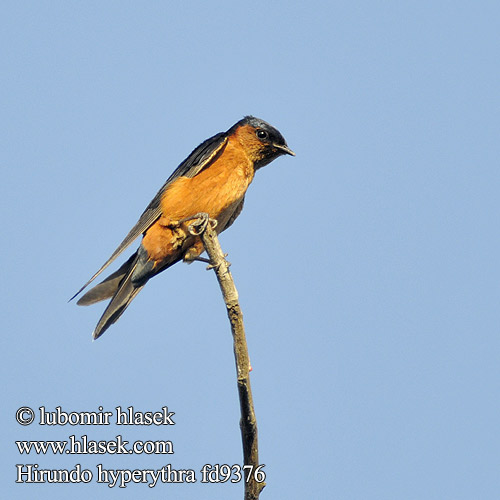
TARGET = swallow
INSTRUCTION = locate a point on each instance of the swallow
(213, 179)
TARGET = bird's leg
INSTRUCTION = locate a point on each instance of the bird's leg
(200, 223)
(211, 266)
(201, 259)
(196, 228)
(206, 261)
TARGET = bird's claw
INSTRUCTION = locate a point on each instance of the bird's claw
(212, 266)
(201, 221)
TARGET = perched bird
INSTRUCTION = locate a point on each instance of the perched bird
(213, 179)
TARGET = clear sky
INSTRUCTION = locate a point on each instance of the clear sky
(367, 265)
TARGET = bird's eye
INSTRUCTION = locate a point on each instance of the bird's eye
(262, 134)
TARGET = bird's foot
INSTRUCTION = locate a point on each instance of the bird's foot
(201, 221)
(212, 266)
(200, 259)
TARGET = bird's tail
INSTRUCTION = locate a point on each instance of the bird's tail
(108, 287)
(120, 287)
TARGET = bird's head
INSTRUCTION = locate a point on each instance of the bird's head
(261, 141)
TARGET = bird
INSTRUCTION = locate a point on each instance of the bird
(212, 180)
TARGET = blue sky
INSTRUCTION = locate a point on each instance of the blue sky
(367, 265)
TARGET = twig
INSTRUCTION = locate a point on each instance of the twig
(204, 227)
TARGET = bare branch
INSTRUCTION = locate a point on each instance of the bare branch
(248, 424)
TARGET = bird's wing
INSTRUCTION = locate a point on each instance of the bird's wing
(198, 160)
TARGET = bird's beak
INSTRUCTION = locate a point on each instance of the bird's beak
(285, 149)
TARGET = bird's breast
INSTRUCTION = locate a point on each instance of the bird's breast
(217, 190)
